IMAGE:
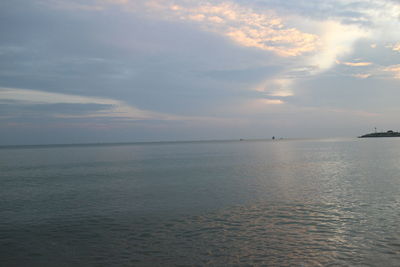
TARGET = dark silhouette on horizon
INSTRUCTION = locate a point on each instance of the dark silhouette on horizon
(389, 133)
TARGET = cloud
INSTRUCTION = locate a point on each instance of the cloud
(275, 88)
(337, 40)
(395, 69)
(271, 101)
(91, 5)
(355, 64)
(263, 30)
(362, 75)
(16, 109)
(61, 105)
(23, 104)
(362, 13)
(281, 93)
(396, 47)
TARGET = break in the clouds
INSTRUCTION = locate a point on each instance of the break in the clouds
(129, 70)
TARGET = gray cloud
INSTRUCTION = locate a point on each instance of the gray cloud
(348, 12)
(17, 109)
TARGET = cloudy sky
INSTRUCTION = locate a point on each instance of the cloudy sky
(75, 71)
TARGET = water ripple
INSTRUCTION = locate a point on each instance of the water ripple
(274, 234)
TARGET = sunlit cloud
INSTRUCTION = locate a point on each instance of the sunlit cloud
(395, 69)
(362, 75)
(354, 64)
(263, 30)
(258, 106)
(396, 47)
(337, 41)
(275, 88)
(281, 93)
(271, 101)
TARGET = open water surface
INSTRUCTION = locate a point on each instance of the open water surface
(275, 203)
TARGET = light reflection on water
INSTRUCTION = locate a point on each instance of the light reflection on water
(285, 203)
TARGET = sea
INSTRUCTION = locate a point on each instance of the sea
(328, 202)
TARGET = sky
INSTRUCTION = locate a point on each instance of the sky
(74, 71)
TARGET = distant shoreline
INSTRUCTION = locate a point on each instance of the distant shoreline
(389, 133)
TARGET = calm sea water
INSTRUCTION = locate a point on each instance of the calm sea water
(274, 203)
